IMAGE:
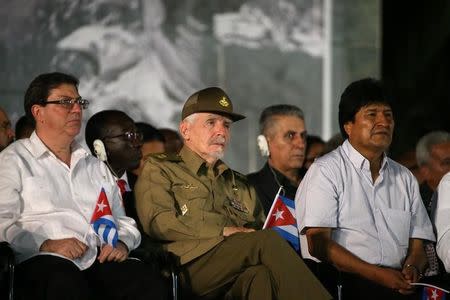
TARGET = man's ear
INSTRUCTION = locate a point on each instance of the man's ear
(184, 130)
(348, 127)
(37, 112)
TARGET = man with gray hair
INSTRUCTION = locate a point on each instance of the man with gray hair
(433, 158)
(208, 215)
(283, 141)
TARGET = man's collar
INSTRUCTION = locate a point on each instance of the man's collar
(357, 159)
(283, 180)
(38, 148)
(194, 162)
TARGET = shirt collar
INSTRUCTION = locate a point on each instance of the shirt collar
(194, 162)
(357, 159)
(38, 148)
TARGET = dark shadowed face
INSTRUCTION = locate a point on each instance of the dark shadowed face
(372, 129)
(6, 132)
(123, 144)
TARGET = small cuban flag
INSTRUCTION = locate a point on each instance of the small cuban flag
(281, 219)
(103, 222)
(431, 292)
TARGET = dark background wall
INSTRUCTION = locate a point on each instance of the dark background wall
(416, 67)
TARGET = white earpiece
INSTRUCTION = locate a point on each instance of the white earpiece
(263, 145)
(100, 151)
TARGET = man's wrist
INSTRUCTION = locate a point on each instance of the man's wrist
(419, 273)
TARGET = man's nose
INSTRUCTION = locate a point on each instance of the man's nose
(76, 107)
(382, 119)
(221, 129)
(299, 141)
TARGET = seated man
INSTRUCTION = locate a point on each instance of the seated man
(152, 142)
(283, 133)
(442, 221)
(6, 132)
(205, 213)
(60, 208)
(172, 140)
(361, 211)
(113, 136)
(433, 158)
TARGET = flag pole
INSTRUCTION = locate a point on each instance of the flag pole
(271, 208)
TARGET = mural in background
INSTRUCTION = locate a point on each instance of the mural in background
(146, 57)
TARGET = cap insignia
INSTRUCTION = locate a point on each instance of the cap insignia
(224, 102)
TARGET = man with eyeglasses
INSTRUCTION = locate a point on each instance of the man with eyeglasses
(6, 132)
(208, 215)
(122, 143)
(60, 208)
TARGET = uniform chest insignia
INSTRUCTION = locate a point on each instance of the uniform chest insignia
(184, 210)
(238, 205)
(189, 186)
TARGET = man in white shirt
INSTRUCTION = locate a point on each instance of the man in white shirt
(361, 211)
(115, 134)
(52, 193)
(442, 221)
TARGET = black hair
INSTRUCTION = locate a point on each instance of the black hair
(150, 133)
(24, 126)
(39, 89)
(358, 94)
(97, 125)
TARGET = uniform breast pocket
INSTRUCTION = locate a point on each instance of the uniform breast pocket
(398, 223)
(189, 198)
(37, 195)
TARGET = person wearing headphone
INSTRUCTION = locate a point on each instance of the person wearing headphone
(113, 137)
(283, 142)
(61, 211)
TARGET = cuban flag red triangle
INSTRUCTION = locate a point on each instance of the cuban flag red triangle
(103, 221)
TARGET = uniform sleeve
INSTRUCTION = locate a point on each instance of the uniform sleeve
(23, 241)
(158, 212)
(316, 200)
(442, 221)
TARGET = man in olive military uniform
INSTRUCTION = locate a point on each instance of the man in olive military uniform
(207, 214)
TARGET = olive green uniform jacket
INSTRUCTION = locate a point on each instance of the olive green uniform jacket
(186, 204)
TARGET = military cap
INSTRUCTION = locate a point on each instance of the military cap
(212, 99)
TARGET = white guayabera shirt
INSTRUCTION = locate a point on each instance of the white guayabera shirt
(42, 198)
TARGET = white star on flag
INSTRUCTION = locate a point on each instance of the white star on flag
(278, 214)
(435, 295)
(101, 206)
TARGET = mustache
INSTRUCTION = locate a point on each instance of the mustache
(217, 140)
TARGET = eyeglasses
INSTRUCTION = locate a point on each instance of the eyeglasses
(69, 103)
(132, 136)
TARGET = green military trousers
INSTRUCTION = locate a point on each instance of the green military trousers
(258, 265)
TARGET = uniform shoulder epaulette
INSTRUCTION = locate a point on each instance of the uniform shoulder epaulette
(240, 175)
(164, 156)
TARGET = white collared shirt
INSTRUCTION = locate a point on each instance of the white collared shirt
(42, 198)
(373, 220)
(442, 220)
